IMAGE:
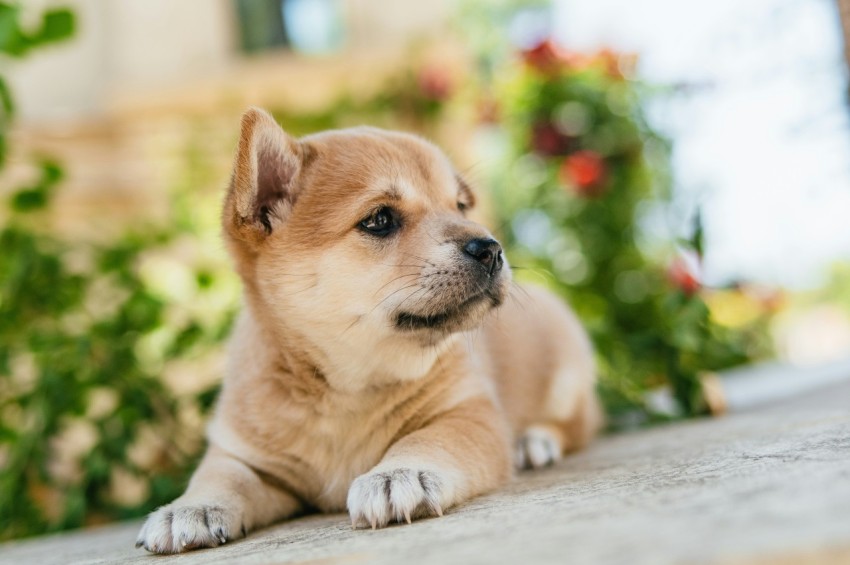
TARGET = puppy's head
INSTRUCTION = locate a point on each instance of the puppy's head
(358, 237)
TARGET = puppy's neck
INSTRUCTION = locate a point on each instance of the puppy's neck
(361, 360)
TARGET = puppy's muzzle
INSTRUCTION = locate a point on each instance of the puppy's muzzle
(487, 252)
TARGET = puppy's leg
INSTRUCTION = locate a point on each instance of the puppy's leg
(462, 453)
(545, 442)
(538, 446)
(225, 499)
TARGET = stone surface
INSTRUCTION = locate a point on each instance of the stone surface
(768, 486)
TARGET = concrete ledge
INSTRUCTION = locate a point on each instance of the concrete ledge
(767, 486)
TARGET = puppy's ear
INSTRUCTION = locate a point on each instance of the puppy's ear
(264, 183)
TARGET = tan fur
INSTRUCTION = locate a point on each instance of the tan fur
(328, 402)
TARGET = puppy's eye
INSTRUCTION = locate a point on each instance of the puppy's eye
(382, 222)
(463, 207)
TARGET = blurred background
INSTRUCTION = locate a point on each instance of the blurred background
(680, 172)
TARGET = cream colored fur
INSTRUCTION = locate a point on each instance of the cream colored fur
(329, 401)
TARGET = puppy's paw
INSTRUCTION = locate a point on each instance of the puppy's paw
(177, 527)
(401, 494)
(537, 447)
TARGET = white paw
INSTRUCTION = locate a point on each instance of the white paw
(175, 528)
(401, 494)
(538, 447)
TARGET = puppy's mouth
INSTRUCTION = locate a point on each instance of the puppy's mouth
(451, 319)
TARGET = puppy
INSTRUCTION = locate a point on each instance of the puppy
(381, 363)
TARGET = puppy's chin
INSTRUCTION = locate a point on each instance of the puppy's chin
(444, 319)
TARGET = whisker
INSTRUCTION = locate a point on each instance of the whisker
(518, 287)
(542, 274)
(412, 266)
(391, 294)
(520, 301)
(427, 262)
(397, 308)
(434, 239)
(395, 279)
(471, 172)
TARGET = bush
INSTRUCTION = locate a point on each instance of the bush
(89, 431)
(582, 166)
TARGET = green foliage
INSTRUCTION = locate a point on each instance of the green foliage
(56, 25)
(412, 99)
(583, 164)
(84, 334)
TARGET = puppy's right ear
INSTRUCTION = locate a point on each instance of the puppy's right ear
(264, 183)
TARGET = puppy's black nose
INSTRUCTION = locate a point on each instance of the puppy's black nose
(488, 252)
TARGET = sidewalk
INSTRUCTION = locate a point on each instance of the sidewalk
(770, 486)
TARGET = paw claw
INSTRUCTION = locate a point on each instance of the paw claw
(397, 495)
(177, 528)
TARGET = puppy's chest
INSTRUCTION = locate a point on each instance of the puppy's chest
(338, 450)
(319, 450)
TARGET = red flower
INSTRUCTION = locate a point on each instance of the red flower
(542, 56)
(683, 272)
(548, 141)
(616, 65)
(435, 83)
(609, 61)
(548, 57)
(584, 170)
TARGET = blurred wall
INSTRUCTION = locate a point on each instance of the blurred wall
(127, 51)
(122, 45)
(145, 81)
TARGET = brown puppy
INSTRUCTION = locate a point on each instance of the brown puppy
(365, 372)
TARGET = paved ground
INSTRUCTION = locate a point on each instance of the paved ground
(770, 486)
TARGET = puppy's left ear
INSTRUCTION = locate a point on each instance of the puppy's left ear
(265, 177)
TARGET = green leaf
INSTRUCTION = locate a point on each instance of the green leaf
(57, 25)
(6, 103)
(28, 200)
(11, 39)
(7, 108)
(37, 197)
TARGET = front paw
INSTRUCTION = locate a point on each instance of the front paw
(180, 527)
(400, 494)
